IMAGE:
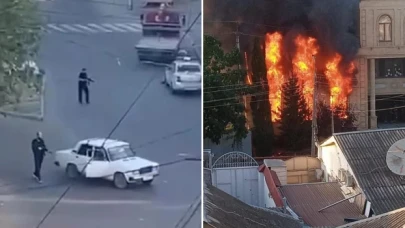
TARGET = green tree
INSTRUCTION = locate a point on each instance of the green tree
(262, 132)
(294, 114)
(224, 87)
(19, 36)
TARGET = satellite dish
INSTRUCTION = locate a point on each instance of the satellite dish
(396, 157)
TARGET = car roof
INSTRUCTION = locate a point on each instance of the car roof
(108, 143)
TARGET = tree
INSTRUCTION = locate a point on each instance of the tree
(295, 126)
(19, 36)
(344, 119)
(262, 132)
(224, 87)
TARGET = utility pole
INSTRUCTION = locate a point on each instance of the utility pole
(238, 43)
(332, 116)
(314, 140)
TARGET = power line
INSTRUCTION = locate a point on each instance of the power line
(187, 31)
(109, 135)
(245, 86)
(189, 214)
(270, 98)
(341, 110)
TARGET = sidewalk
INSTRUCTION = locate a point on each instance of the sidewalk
(31, 105)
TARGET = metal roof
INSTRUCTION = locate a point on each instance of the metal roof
(392, 219)
(365, 151)
(225, 211)
(307, 199)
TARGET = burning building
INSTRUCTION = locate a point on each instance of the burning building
(334, 78)
(359, 49)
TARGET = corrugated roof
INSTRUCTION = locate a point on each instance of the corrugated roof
(392, 219)
(306, 199)
(225, 211)
(366, 152)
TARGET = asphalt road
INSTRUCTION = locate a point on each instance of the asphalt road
(162, 127)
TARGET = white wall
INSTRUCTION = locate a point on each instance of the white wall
(265, 199)
(281, 172)
(333, 160)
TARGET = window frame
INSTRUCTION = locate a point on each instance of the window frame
(382, 35)
(107, 159)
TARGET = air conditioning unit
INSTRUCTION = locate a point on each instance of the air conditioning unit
(342, 175)
(319, 174)
(349, 180)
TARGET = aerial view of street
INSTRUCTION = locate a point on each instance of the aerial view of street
(162, 127)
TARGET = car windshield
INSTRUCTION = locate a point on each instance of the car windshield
(121, 152)
(188, 68)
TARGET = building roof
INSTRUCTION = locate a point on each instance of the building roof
(307, 199)
(225, 211)
(392, 219)
(365, 151)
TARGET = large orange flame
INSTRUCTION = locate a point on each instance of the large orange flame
(275, 75)
(303, 66)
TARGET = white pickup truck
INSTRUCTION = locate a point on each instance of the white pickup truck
(183, 75)
(110, 159)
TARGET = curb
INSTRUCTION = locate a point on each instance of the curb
(30, 116)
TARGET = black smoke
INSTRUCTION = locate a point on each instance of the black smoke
(334, 23)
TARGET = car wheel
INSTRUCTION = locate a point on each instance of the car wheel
(120, 181)
(148, 182)
(72, 171)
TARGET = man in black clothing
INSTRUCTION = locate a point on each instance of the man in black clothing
(84, 82)
(39, 149)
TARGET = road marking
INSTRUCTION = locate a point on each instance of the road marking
(138, 26)
(71, 28)
(86, 28)
(112, 27)
(99, 27)
(94, 28)
(182, 155)
(128, 27)
(52, 26)
(150, 204)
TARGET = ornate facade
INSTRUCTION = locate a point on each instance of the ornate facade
(381, 62)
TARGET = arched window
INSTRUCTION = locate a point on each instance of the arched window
(385, 28)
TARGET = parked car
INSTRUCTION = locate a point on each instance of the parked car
(113, 160)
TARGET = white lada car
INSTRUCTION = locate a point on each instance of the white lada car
(110, 159)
